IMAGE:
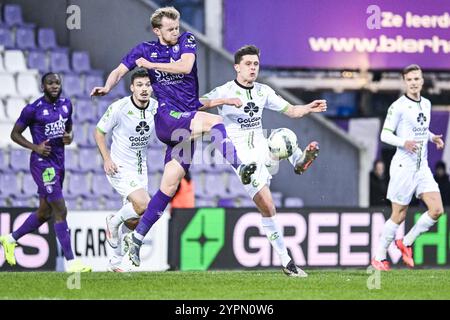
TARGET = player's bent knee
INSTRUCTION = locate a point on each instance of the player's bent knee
(435, 213)
(140, 207)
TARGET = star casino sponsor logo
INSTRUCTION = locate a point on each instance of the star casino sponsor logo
(165, 78)
(56, 129)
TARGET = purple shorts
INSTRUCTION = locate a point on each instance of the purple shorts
(174, 129)
(49, 179)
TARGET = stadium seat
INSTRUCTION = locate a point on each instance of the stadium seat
(28, 84)
(85, 110)
(9, 185)
(101, 186)
(14, 107)
(71, 202)
(102, 105)
(72, 85)
(71, 160)
(81, 61)
(154, 181)
(119, 90)
(12, 15)
(47, 38)
(25, 38)
(59, 61)
(205, 202)
(155, 160)
(80, 137)
(88, 159)
(3, 165)
(3, 116)
(91, 81)
(29, 188)
(246, 202)
(37, 59)
(6, 38)
(90, 135)
(218, 183)
(226, 203)
(114, 203)
(277, 198)
(14, 61)
(78, 185)
(8, 87)
(19, 159)
(235, 187)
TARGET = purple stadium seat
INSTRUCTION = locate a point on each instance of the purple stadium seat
(154, 182)
(37, 59)
(72, 85)
(88, 159)
(119, 90)
(205, 202)
(113, 203)
(155, 160)
(78, 185)
(101, 186)
(19, 159)
(25, 38)
(85, 110)
(71, 160)
(9, 185)
(80, 136)
(81, 61)
(29, 188)
(12, 15)
(59, 61)
(71, 202)
(226, 203)
(3, 165)
(47, 38)
(103, 104)
(235, 187)
(214, 185)
(90, 135)
(6, 38)
(91, 81)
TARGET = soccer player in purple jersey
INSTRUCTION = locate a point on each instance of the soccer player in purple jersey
(50, 121)
(171, 64)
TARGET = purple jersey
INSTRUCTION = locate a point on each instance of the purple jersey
(177, 92)
(48, 121)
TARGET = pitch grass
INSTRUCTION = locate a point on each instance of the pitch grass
(227, 285)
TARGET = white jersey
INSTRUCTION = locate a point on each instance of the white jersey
(244, 124)
(131, 129)
(410, 120)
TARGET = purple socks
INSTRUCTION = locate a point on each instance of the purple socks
(153, 212)
(63, 235)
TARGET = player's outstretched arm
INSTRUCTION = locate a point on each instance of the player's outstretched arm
(182, 66)
(212, 103)
(108, 165)
(299, 111)
(113, 78)
(16, 135)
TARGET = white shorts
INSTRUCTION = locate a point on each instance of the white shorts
(259, 154)
(126, 182)
(404, 182)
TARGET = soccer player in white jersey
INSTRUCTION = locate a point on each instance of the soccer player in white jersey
(130, 120)
(407, 127)
(244, 127)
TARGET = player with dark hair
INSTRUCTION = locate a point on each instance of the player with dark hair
(50, 121)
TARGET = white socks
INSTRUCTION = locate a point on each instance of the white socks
(295, 156)
(125, 213)
(10, 238)
(422, 225)
(275, 237)
(388, 234)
